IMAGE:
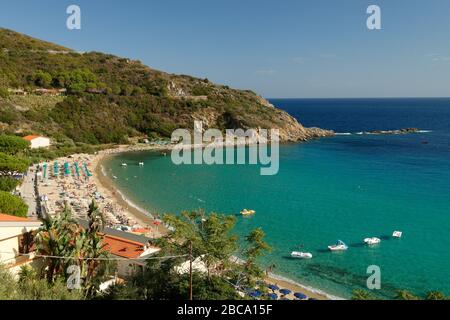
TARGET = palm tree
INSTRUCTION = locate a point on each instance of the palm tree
(91, 247)
(54, 239)
(67, 243)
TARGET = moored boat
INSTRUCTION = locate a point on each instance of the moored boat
(246, 212)
(397, 234)
(372, 241)
(339, 246)
(301, 255)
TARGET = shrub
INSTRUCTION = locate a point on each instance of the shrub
(13, 144)
(13, 205)
(11, 163)
(4, 92)
(8, 184)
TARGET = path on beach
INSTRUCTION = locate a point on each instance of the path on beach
(27, 192)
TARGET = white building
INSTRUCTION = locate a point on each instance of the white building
(16, 241)
(38, 141)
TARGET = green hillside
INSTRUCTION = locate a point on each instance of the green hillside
(108, 99)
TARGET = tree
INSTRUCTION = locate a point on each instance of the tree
(13, 144)
(56, 238)
(213, 244)
(4, 93)
(63, 237)
(256, 247)
(9, 164)
(8, 184)
(90, 248)
(10, 204)
(42, 79)
(210, 237)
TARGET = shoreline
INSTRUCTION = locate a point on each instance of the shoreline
(107, 184)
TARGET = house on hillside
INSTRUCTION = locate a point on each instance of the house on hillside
(49, 92)
(16, 242)
(38, 141)
(130, 254)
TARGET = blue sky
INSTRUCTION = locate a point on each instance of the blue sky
(284, 48)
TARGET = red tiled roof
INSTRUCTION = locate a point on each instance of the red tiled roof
(9, 218)
(122, 247)
(31, 137)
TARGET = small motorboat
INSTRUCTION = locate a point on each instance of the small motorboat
(141, 164)
(301, 255)
(372, 241)
(339, 246)
(397, 234)
(114, 177)
(246, 212)
(124, 165)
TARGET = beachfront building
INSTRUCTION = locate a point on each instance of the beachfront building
(16, 242)
(130, 254)
(38, 141)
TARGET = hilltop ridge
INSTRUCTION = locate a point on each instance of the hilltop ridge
(98, 98)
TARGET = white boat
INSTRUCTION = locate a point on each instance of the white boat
(339, 246)
(397, 234)
(141, 164)
(114, 177)
(372, 241)
(301, 255)
(246, 212)
(124, 165)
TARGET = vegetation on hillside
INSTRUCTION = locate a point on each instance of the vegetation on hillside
(13, 205)
(110, 99)
(12, 164)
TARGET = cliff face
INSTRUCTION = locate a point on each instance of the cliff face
(101, 98)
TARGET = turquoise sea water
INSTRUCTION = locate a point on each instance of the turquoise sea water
(348, 187)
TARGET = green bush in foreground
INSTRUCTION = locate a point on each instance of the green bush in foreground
(12, 205)
(8, 184)
(13, 144)
(13, 163)
(30, 287)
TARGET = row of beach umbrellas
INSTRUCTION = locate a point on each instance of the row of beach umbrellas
(274, 296)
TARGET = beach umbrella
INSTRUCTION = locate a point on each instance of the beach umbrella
(285, 291)
(272, 296)
(273, 287)
(255, 294)
(300, 296)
